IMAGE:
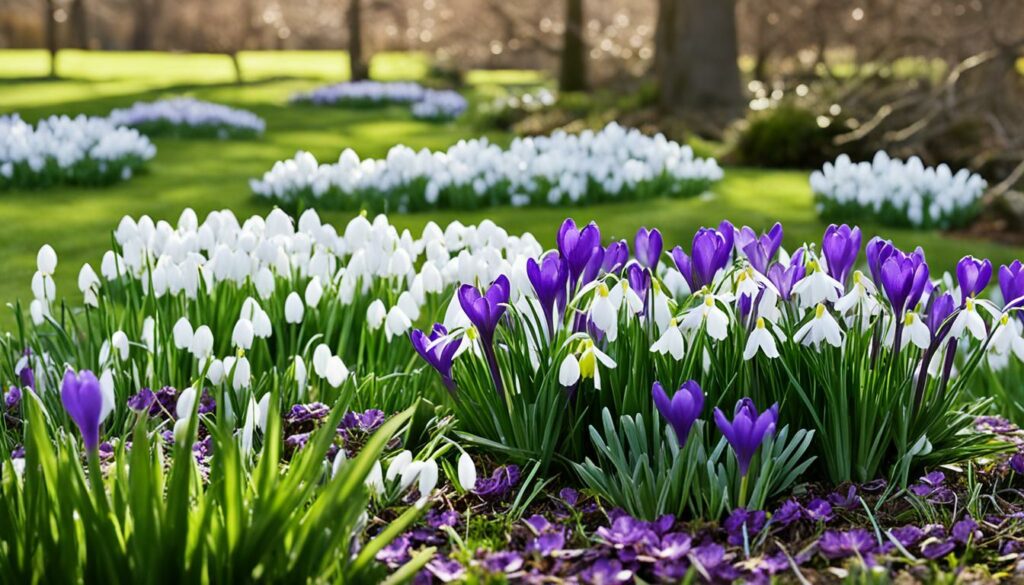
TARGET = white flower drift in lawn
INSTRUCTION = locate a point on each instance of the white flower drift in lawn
(896, 192)
(63, 150)
(614, 164)
(189, 117)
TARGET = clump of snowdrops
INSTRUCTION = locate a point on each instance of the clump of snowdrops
(190, 118)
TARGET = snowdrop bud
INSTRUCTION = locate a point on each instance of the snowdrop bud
(337, 373)
(321, 355)
(432, 280)
(262, 410)
(408, 304)
(87, 279)
(109, 266)
(300, 375)
(339, 460)
(397, 323)
(264, 283)
(242, 375)
(183, 334)
(428, 478)
(243, 334)
(46, 260)
(293, 308)
(399, 264)
(149, 333)
(409, 474)
(120, 342)
(398, 464)
(107, 391)
(38, 312)
(186, 400)
(261, 325)
(215, 373)
(181, 430)
(314, 291)
(375, 315)
(467, 472)
(43, 287)
(202, 342)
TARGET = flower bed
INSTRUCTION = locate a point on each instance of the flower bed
(190, 118)
(614, 164)
(345, 404)
(72, 151)
(426, 104)
(893, 192)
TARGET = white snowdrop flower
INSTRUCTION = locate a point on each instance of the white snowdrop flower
(321, 355)
(821, 327)
(264, 282)
(1007, 335)
(573, 368)
(46, 260)
(18, 465)
(201, 345)
(300, 375)
(261, 325)
(375, 315)
(262, 410)
(408, 305)
(215, 372)
(604, 312)
(149, 334)
(88, 284)
(339, 460)
(707, 314)
(181, 430)
(293, 308)
(243, 334)
(398, 465)
(120, 342)
(467, 472)
(397, 323)
(110, 267)
(760, 339)
(182, 333)
(241, 373)
(375, 480)
(915, 330)
(968, 319)
(39, 311)
(314, 292)
(817, 287)
(248, 427)
(336, 373)
(186, 402)
(670, 342)
(43, 287)
(862, 295)
(104, 355)
(399, 264)
(433, 282)
(428, 477)
(107, 391)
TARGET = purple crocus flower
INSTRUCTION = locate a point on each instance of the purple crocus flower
(908, 535)
(972, 275)
(499, 484)
(606, 572)
(438, 350)
(902, 277)
(648, 246)
(839, 545)
(760, 250)
(615, 257)
(818, 510)
(785, 277)
(747, 430)
(1011, 281)
(964, 530)
(142, 401)
(304, 413)
(549, 278)
(752, 521)
(26, 375)
(788, 513)
(502, 562)
(578, 247)
(940, 308)
(83, 400)
(710, 253)
(682, 410)
(840, 247)
(937, 548)
(484, 311)
(12, 398)
(640, 281)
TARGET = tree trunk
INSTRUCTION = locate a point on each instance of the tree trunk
(573, 74)
(142, 33)
(698, 70)
(50, 29)
(80, 24)
(357, 65)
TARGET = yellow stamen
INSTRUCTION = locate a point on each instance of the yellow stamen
(709, 301)
(908, 320)
(760, 322)
(819, 311)
(1004, 319)
(472, 333)
(588, 363)
(602, 289)
(970, 303)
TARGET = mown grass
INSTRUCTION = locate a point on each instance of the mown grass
(209, 174)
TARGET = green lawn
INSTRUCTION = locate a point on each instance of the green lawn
(207, 175)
